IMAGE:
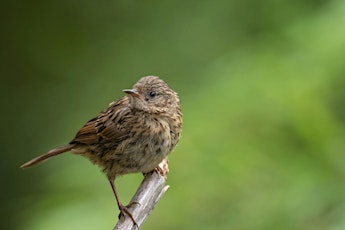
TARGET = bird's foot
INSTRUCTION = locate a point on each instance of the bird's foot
(125, 211)
(159, 170)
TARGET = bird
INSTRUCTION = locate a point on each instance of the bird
(133, 135)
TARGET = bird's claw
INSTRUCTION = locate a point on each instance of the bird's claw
(124, 211)
(159, 170)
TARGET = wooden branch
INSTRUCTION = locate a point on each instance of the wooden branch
(147, 196)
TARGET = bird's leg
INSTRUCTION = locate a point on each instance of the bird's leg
(123, 209)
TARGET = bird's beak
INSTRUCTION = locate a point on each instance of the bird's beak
(133, 92)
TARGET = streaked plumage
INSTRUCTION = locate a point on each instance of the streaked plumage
(134, 134)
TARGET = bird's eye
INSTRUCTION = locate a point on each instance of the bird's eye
(152, 94)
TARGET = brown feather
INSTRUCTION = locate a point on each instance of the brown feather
(105, 126)
(47, 155)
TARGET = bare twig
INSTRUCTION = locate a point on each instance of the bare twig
(147, 196)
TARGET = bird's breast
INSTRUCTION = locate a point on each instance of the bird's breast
(149, 142)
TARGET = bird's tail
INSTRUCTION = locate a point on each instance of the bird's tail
(49, 154)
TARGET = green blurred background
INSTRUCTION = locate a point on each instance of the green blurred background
(262, 86)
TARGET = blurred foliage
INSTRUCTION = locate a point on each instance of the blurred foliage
(262, 89)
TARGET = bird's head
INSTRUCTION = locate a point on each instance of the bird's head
(153, 95)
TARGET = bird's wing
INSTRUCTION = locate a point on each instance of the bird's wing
(108, 126)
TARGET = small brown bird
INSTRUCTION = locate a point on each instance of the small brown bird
(134, 134)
